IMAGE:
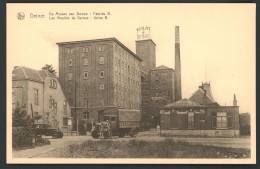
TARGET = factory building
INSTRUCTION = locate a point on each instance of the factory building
(97, 75)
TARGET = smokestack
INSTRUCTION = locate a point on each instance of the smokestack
(235, 100)
(178, 95)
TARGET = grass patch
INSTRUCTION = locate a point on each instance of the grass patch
(147, 149)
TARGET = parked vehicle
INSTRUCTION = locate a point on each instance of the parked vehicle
(46, 130)
(118, 122)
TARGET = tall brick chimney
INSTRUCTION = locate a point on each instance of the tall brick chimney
(178, 95)
(235, 100)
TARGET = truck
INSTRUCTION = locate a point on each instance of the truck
(117, 122)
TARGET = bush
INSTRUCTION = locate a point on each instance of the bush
(22, 132)
(22, 137)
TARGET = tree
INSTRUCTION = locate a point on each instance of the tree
(50, 69)
(20, 117)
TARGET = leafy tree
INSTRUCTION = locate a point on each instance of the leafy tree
(20, 117)
(50, 69)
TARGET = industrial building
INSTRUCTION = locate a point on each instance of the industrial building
(97, 76)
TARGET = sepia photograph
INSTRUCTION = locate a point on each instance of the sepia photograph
(131, 83)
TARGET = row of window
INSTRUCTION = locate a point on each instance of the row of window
(85, 61)
(85, 88)
(85, 75)
(84, 49)
(220, 120)
(100, 102)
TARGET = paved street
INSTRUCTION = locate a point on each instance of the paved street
(242, 142)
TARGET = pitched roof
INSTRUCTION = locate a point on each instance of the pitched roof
(182, 104)
(24, 73)
(45, 73)
(162, 67)
(198, 97)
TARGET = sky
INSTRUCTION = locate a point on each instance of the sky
(217, 41)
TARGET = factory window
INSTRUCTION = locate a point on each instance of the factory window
(101, 48)
(86, 115)
(85, 75)
(157, 81)
(101, 60)
(190, 120)
(222, 121)
(70, 76)
(101, 87)
(70, 62)
(101, 74)
(36, 96)
(85, 61)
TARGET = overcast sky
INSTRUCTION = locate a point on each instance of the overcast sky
(219, 38)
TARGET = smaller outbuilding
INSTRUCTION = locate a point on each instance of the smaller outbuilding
(200, 116)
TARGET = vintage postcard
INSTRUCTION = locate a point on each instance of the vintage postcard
(131, 83)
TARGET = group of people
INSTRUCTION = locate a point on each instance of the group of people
(102, 129)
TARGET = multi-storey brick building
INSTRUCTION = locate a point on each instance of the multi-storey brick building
(161, 90)
(97, 75)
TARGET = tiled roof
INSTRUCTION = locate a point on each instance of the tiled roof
(198, 97)
(45, 73)
(182, 103)
(24, 73)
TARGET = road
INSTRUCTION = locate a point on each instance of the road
(241, 142)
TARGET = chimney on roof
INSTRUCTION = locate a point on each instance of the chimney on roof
(178, 95)
(235, 100)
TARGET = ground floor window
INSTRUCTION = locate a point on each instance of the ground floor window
(222, 120)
